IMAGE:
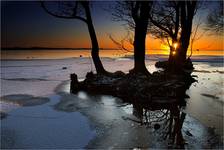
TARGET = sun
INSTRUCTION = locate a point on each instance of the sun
(175, 45)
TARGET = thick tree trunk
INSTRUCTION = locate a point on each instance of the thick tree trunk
(173, 52)
(187, 14)
(141, 24)
(185, 39)
(139, 48)
(95, 47)
(171, 59)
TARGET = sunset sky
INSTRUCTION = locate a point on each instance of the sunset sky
(26, 24)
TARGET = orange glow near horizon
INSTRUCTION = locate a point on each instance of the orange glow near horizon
(207, 44)
(23, 29)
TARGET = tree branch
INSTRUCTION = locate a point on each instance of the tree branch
(135, 11)
(160, 26)
(61, 16)
(120, 44)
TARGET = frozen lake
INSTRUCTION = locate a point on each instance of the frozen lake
(64, 120)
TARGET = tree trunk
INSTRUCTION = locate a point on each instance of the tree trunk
(141, 24)
(139, 48)
(95, 47)
(185, 39)
(174, 52)
(187, 14)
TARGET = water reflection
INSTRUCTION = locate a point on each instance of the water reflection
(161, 115)
(166, 122)
(123, 125)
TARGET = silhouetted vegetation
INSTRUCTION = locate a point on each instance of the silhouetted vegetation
(215, 19)
(136, 14)
(79, 10)
(146, 88)
(172, 21)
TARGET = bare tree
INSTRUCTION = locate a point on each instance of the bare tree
(172, 20)
(196, 35)
(77, 10)
(165, 19)
(188, 10)
(215, 19)
(135, 14)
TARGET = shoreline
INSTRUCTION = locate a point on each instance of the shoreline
(152, 57)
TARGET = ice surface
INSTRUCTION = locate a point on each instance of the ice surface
(43, 126)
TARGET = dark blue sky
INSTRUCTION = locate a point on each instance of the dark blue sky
(26, 24)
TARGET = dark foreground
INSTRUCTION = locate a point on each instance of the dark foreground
(157, 102)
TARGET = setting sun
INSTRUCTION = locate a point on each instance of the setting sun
(175, 45)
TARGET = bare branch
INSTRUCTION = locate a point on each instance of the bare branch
(160, 26)
(121, 44)
(61, 16)
(215, 19)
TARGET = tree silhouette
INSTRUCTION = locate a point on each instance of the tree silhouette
(215, 19)
(135, 14)
(78, 10)
(172, 21)
(165, 19)
(188, 10)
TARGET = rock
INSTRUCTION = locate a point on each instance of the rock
(90, 75)
(74, 85)
(156, 126)
(188, 133)
(187, 66)
(161, 64)
(119, 74)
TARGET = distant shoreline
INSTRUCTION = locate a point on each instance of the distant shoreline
(79, 48)
(68, 53)
(50, 48)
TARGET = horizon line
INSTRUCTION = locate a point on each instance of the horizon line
(81, 48)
